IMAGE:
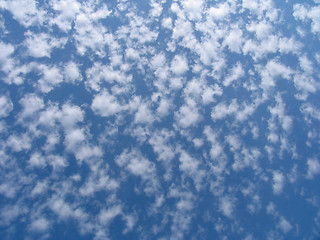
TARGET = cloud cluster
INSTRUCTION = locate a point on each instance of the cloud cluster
(159, 119)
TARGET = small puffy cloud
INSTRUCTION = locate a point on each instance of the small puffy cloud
(6, 106)
(278, 111)
(284, 225)
(19, 143)
(6, 50)
(221, 110)
(50, 78)
(188, 114)
(132, 54)
(272, 71)
(289, 45)
(25, 11)
(41, 45)
(193, 8)
(167, 23)
(234, 40)
(160, 142)
(158, 61)
(220, 12)
(143, 115)
(209, 93)
(278, 182)
(179, 65)
(313, 168)
(136, 164)
(191, 167)
(227, 206)
(105, 104)
(164, 107)
(39, 225)
(302, 13)
(74, 138)
(70, 115)
(31, 104)
(72, 73)
(107, 215)
(235, 73)
(140, 167)
(262, 29)
(66, 11)
(39, 188)
(37, 160)
(306, 64)
(60, 207)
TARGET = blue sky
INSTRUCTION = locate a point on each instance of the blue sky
(159, 119)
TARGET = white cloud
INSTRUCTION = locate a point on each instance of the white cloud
(262, 29)
(289, 45)
(279, 111)
(6, 50)
(234, 40)
(25, 11)
(284, 225)
(221, 110)
(136, 164)
(260, 49)
(60, 207)
(306, 64)
(105, 104)
(67, 10)
(309, 109)
(191, 166)
(227, 206)
(40, 188)
(313, 168)
(188, 114)
(209, 93)
(179, 65)
(143, 115)
(6, 106)
(70, 115)
(107, 215)
(41, 45)
(193, 9)
(164, 107)
(39, 225)
(37, 160)
(31, 104)
(19, 143)
(72, 72)
(220, 12)
(160, 142)
(73, 139)
(278, 182)
(167, 23)
(57, 162)
(50, 78)
(313, 13)
(235, 73)
(140, 167)
(272, 71)
(132, 54)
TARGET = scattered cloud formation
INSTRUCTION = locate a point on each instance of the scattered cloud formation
(159, 119)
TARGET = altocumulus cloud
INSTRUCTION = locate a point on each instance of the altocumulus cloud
(159, 119)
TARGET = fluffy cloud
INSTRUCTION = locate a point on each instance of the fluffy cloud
(179, 65)
(105, 104)
(6, 106)
(313, 168)
(278, 182)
